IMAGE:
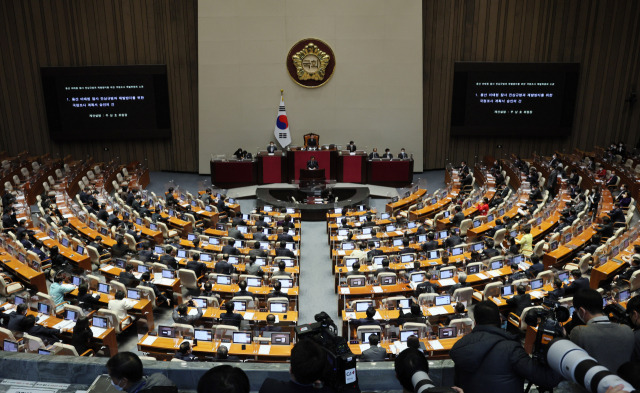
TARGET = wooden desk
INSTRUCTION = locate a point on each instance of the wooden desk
(433, 353)
(405, 202)
(81, 261)
(233, 173)
(90, 233)
(211, 314)
(143, 307)
(165, 348)
(25, 273)
(393, 173)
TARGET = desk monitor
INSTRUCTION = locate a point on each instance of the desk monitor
(390, 228)
(264, 245)
(203, 335)
(126, 216)
(567, 237)
(153, 227)
(166, 273)
(446, 273)
(625, 243)
(348, 246)
(233, 259)
(208, 208)
(476, 247)
(422, 238)
(19, 300)
(200, 302)
(538, 221)
(221, 227)
(404, 303)
(553, 245)
(290, 246)
(232, 201)
(280, 338)
(261, 261)
(142, 269)
(350, 261)
(240, 305)
(223, 280)
(362, 219)
(495, 265)
(52, 234)
(397, 242)
(563, 276)
(623, 295)
(411, 225)
(239, 244)
(364, 336)
(363, 305)
(104, 231)
(70, 315)
(44, 308)
(356, 281)
(405, 334)
(22, 258)
(417, 277)
(343, 232)
(447, 332)
(268, 208)
(579, 230)
(254, 282)
(501, 211)
(182, 254)
(278, 307)
(433, 254)
(133, 294)
(376, 243)
(337, 210)
(10, 346)
(506, 290)
(367, 230)
(288, 262)
(603, 259)
(166, 331)
(286, 282)
(388, 280)
(433, 201)
(139, 221)
(614, 251)
(490, 217)
(121, 263)
(536, 284)
(446, 214)
(191, 237)
(241, 337)
(204, 257)
(75, 280)
(442, 234)
(457, 251)
(477, 223)
(378, 260)
(268, 220)
(43, 352)
(158, 250)
(242, 229)
(516, 260)
(473, 269)
(65, 242)
(104, 288)
(35, 265)
(100, 322)
(171, 213)
(443, 300)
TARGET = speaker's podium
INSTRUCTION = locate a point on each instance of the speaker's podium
(311, 177)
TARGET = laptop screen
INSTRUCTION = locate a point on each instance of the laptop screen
(477, 223)
(278, 307)
(205, 257)
(253, 282)
(142, 269)
(104, 288)
(166, 331)
(240, 305)
(182, 253)
(133, 294)
(405, 334)
(166, 273)
(350, 261)
(473, 269)
(18, 300)
(280, 338)
(158, 250)
(446, 273)
(397, 242)
(506, 290)
(223, 280)
(364, 336)
(356, 282)
(477, 246)
(241, 338)
(348, 246)
(447, 332)
(200, 302)
(363, 306)
(404, 258)
(70, 315)
(563, 276)
(443, 300)
(286, 282)
(100, 322)
(390, 228)
(10, 346)
(434, 254)
(191, 237)
(233, 259)
(417, 277)
(388, 280)
(76, 280)
(202, 334)
(497, 265)
(121, 263)
(457, 251)
(536, 284)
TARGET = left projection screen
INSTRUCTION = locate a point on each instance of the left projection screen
(107, 102)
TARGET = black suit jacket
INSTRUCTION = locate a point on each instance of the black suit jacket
(387, 155)
(224, 267)
(197, 267)
(271, 149)
(403, 155)
(374, 154)
(520, 302)
(312, 142)
(312, 164)
(230, 250)
(351, 148)
(232, 319)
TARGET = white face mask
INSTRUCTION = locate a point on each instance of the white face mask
(116, 387)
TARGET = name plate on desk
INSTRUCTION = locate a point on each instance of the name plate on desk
(264, 350)
(345, 290)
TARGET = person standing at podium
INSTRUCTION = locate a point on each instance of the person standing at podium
(312, 163)
(271, 148)
(402, 155)
(351, 147)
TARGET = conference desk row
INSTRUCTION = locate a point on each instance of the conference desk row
(281, 168)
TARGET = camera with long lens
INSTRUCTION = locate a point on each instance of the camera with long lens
(412, 370)
(618, 314)
(340, 371)
(549, 321)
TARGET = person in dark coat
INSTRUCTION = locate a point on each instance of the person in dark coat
(520, 301)
(491, 360)
(82, 335)
(578, 283)
(229, 317)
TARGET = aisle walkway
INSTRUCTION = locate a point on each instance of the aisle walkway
(316, 280)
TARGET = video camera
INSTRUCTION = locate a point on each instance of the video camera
(340, 373)
(618, 314)
(549, 322)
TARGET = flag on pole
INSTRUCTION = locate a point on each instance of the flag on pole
(281, 131)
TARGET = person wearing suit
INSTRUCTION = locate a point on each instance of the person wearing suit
(312, 163)
(536, 267)
(16, 317)
(606, 229)
(229, 317)
(197, 266)
(312, 142)
(181, 314)
(374, 353)
(374, 154)
(271, 148)
(457, 217)
(403, 155)
(520, 301)
(464, 169)
(369, 320)
(387, 154)
(578, 283)
(224, 267)
(351, 147)
(230, 248)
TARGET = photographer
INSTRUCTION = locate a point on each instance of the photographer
(633, 311)
(611, 344)
(491, 360)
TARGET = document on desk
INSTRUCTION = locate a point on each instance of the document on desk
(341, 238)
(149, 340)
(537, 294)
(494, 273)
(435, 345)
(344, 290)
(42, 318)
(249, 316)
(97, 331)
(364, 347)
(523, 266)
(67, 215)
(163, 281)
(377, 289)
(350, 315)
(44, 238)
(263, 349)
(107, 267)
(481, 276)
(341, 252)
(364, 237)
(447, 282)
(193, 311)
(399, 346)
(399, 233)
(438, 310)
(377, 315)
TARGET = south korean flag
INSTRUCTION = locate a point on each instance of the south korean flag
(281, 131)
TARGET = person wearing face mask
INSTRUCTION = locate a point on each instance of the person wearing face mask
(126, 373)
(610, 344)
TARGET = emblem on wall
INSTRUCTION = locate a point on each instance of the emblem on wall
(311, 63)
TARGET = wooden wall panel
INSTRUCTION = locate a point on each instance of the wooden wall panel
(98, 32)
(602, 35)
